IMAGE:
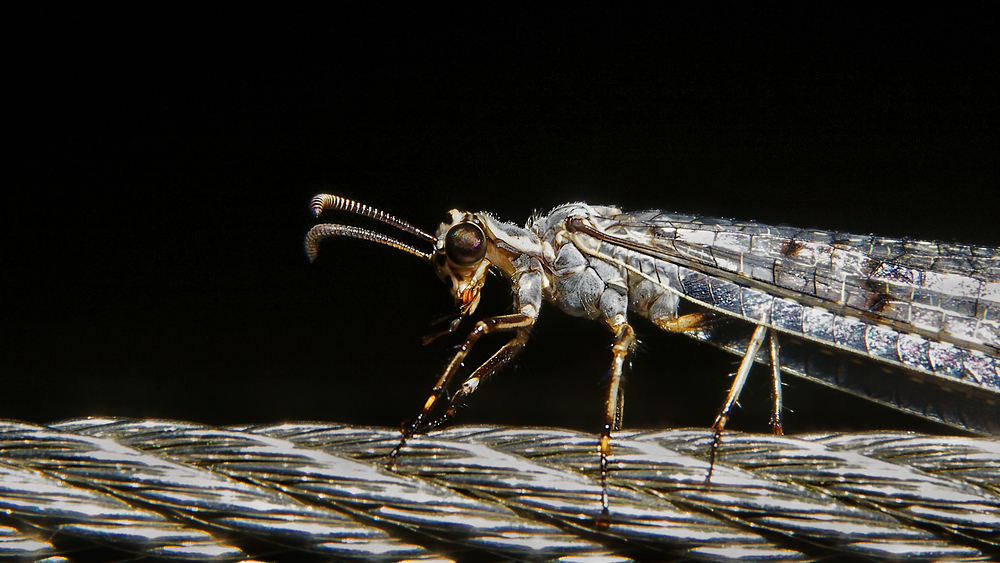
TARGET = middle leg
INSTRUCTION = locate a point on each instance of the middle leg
(614, 403)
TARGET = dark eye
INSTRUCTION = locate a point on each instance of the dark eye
(465, 244)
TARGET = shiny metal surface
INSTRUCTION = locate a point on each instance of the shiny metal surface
(124, 489)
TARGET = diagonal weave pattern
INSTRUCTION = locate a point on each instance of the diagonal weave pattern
(120, 489)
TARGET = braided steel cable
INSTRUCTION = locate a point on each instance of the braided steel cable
(126, 489)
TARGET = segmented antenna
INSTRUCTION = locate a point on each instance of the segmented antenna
(324, 230)
(323, 202)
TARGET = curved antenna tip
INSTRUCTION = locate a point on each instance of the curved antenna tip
(325, 230)
(322, 202)
(319, 203)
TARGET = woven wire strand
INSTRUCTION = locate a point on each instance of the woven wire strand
(126, 489)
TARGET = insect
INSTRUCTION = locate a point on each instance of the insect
(911, 324)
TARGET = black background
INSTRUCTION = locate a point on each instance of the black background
(162, 161)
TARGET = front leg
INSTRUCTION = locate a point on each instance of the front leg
(517, 322)
(505, 354)
(527, 286)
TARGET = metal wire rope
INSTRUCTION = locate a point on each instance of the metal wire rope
(126, 489)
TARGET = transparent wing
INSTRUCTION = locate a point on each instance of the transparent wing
(945, 292)
(900, 306)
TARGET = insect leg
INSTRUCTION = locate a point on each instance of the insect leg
(776, 382)
(515, 322)
(506, 353)
(691, 321)
(614, 404)
(734, 392)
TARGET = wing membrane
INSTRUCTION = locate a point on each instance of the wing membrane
(945, 292)
(913, 306)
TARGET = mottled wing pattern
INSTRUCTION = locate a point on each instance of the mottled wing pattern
(944, 292)
(925, 308)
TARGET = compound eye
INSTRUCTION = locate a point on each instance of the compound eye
(465, 244)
